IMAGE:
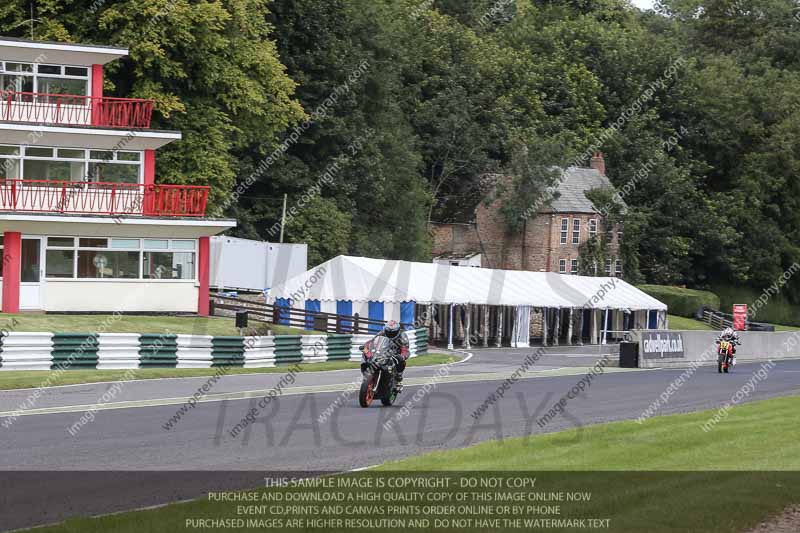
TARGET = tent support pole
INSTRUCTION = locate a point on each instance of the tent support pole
(499, 341)
(569, 328)
(467, 325)
(556, 327)
(593, 327)
(485, 326)
(544, 326)
(450, 329)
(580, 327)
(605, 327)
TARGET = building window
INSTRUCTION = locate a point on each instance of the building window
(618, 267)
(562, 266)
(608, 267)
(574, 269)
(114, 258)
(70, 164)
(576, 231)
(564, 230)
(619, 234)
(592, 227)
(46, 79)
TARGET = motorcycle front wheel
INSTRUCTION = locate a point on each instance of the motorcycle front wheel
(366, 394)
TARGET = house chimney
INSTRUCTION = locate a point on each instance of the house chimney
(598, 163)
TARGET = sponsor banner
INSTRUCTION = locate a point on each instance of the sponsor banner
(661, 345)
(739, 317)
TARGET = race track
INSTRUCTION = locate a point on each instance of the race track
(128, 434)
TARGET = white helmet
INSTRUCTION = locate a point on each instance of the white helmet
(728, 332)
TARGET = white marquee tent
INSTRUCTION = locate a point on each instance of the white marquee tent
(381, 288)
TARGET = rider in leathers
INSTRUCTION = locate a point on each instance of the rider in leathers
(393, 332)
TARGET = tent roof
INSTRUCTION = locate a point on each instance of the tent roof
(363, 279)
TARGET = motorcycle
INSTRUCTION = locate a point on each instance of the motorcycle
(725, 359)
(378, 361)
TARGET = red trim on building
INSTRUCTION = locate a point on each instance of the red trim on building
(12, 252)
(149, 167)
(97, 92)
(203, 273)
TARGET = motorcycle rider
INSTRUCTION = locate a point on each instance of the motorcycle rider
(730, 335)
(393, 332)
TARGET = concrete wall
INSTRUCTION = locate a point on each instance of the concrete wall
(700, 348)
(113, 295)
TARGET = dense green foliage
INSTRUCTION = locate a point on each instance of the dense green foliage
(420, 104)
(681, 301)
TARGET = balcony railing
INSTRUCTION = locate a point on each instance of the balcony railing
(72, 110)
(99, 198)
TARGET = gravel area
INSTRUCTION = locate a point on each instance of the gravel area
(786, 522)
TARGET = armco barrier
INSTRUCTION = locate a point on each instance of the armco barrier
(194, 351)
(27, 351)
(314, 348)
(699, 347)
(227, 351)
(288, 349)
(113, 351)
(422, 341)
(75, 350)
(339, 347)
(117, 351)
(412, 343)
(259, 352)
(158, 351)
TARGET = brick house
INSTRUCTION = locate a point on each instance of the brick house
(550, 240)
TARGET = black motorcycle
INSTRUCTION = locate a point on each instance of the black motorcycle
(378, 362)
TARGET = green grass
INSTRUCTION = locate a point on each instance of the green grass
(777, 309)
(132, 324)
(24, 379)
(684, 483)
(681, 301)
(679, 322)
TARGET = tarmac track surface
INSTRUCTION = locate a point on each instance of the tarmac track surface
(126, 459)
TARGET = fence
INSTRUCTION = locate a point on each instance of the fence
(300, 318)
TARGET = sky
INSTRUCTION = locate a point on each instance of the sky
(644, 4)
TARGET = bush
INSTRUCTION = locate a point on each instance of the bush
(680, 301)
(777, 309)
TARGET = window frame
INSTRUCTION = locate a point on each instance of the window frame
(141, 249)
(576, 231)
(562, 266)
(573, 269)
(564, 230)
(35, 74)
(85, 161)
(618, 268)
(592, 226)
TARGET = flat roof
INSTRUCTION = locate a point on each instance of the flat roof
(14, 49)
(97, 137)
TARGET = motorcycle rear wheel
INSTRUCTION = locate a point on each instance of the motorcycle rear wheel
(719, 368)
(366, 394)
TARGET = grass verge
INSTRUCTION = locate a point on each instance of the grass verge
(133, 324)
(24, 379)
(684, 480)
(683, 323)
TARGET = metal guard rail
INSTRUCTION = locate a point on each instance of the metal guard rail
(70, 109)
(103, 198)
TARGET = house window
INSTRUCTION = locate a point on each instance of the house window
(564, 230)
(608, 267)
(47, 79)
(574, 269)
(592, 227)
(576, 231)
(113, 258)
(70, 164)
(618, 267)
(562, 266)
(619, 234)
